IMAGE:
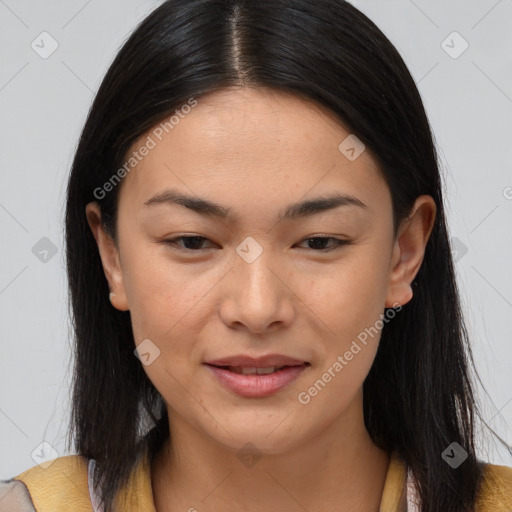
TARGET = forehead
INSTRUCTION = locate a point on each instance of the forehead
(247, 143)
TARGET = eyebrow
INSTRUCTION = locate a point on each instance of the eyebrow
(292, 211)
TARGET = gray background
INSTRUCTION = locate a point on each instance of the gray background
(43, 105)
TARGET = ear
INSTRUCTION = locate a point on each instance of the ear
(409, 250)
(109, 255)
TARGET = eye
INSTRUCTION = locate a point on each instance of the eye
(189, 240)
(319, 242)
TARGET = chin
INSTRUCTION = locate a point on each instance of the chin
(260, 441)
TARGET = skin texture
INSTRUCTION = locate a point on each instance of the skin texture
(256, 151)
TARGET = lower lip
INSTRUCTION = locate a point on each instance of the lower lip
(254, 385)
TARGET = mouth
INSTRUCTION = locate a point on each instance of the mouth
(263, 380)
(254, 370)
(266, 361)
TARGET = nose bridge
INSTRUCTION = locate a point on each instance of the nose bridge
(256, 296)
(254, 267)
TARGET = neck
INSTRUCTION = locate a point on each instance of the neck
(339, 469)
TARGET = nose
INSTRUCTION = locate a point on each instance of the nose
(257, 296)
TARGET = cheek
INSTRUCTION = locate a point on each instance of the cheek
(165, 305)
(351, 295)
(165, 297)
(350, 303)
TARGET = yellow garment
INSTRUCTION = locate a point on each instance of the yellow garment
(63, 487)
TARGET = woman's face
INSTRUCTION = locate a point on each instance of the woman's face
(254, 284)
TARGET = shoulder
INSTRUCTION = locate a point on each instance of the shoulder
(495, 491)
(58, 485)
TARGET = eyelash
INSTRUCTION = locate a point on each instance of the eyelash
(338, 243)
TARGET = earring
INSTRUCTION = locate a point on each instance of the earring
(111, 295)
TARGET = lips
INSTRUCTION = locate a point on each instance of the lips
(256, 377)
(268, 361)
(259, 385)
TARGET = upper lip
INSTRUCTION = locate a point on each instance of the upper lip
(271, 360)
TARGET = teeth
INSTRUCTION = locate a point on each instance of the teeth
(259, 371)
(264, 371)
